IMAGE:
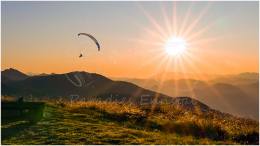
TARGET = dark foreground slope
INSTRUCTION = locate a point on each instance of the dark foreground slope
(116, 123)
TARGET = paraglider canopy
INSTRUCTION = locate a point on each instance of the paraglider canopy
(91, 37)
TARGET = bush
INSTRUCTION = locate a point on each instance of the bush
(196, 129)
(249, 138)
(215, 132)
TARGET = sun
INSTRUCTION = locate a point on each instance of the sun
(175, 46)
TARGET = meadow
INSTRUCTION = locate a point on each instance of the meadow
(101, 122)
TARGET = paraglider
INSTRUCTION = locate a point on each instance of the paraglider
(90, 36)
(80, 55)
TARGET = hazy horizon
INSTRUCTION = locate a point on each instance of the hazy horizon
(172, 75)
(41, 37)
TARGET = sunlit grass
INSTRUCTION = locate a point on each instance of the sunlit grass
(102, 122)
(162, 113)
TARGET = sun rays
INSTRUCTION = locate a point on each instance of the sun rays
(174, 33)
(175, 44)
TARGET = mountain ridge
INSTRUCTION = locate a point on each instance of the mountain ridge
(91, 84)
(99, 86)
(11, 74)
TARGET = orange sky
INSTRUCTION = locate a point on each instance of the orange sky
(41, 37)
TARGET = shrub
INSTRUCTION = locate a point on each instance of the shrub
(196, 129)
(249, 138)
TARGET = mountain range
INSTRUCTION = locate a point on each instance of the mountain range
(237, 94)
(82, 84)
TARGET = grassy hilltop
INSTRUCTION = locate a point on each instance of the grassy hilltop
(100, 122)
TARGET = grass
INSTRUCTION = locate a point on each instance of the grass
(97, 122)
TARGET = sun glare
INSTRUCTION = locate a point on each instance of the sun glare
(175, 46)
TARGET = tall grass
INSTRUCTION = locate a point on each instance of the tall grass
(171, 119)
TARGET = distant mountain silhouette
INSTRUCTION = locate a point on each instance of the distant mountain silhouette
(61, 85)
(237, 79)
(228, 98)
(92, 85)
(182, 75)
(11, 74)
(241, 100)
(236, 94)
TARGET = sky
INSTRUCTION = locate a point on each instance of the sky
(41, 37)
